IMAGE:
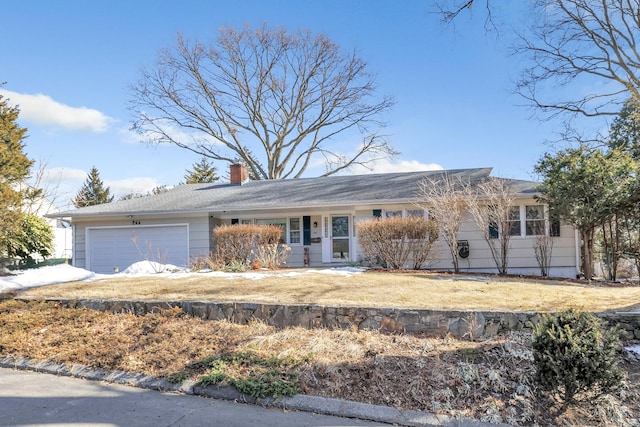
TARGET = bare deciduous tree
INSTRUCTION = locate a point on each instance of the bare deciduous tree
(270, 99)
(446, 201)
(570, 42)
(574, 40)
(41, 193)
(491, 206)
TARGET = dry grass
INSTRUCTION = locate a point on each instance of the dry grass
(490, 380)
(370, 289)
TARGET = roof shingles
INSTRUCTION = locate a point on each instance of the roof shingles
(301, 192)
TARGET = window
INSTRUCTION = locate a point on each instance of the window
(514, 221)
(534, 215)
(294, 231)
(406, 213)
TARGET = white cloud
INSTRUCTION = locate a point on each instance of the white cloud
(390, 166)
(44, 110)
(136, 185)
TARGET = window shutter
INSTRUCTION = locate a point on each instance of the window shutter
(306, 230)
(554, 227)
(493, 230)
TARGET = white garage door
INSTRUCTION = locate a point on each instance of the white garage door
(111, 248)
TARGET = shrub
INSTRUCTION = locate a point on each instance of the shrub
(33, 236)
(272, 255)
(255, 375)
(234, 243)
(243, 244)
(397, 241)
(256, 264)
(573, 354)
(210, 262)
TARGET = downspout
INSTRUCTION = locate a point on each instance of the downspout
(577, 244)
(73, 245)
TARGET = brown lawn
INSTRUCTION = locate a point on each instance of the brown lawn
(488, 380)
(370, 289)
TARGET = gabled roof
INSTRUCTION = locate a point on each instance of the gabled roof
(290, 193)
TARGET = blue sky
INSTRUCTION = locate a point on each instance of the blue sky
(67, 64)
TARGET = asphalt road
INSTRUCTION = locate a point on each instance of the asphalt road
(37, 399)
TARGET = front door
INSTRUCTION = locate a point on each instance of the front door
(336, 241)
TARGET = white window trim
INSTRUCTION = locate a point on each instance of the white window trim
(523, 222)
(299, 230)
(545, 221)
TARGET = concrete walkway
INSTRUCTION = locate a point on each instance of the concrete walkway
(37, 399)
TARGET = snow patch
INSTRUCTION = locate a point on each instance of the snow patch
(146, 268)
(64, 273)
(50, 275)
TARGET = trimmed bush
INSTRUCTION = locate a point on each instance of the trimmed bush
(241, 244)
(234, 243)
(575, 354)
(398, 242)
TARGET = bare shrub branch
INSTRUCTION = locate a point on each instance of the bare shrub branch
(490, 206)
(445, 200)
(543, 247)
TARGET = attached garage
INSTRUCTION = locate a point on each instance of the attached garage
(111, 249)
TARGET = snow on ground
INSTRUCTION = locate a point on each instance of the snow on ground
(65, 273)
(45, 276)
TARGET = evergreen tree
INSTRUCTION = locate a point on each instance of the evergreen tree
(586, 187)
(624, 133)
(14, 168)
(33, 236)
(93, 192)
(203, 172)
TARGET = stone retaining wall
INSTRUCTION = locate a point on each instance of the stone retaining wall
(461, 324)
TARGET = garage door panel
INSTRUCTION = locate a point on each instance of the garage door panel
(118, 248)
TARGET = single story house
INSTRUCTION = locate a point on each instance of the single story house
(317, 214)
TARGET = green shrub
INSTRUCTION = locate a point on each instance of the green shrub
(253, 374)
(33, 236)
(178, 377)
(573, 354)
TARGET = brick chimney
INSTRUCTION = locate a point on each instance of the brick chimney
(239, 173)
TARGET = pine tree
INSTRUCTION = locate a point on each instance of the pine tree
(14, 168)
(93, 191)
(203, 172)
